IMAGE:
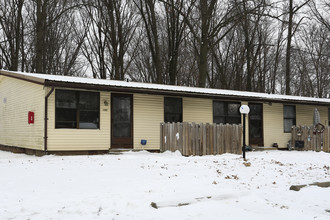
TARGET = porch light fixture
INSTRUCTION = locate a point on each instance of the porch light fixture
(244, 110)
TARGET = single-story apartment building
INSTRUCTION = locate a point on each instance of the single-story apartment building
(54, 113)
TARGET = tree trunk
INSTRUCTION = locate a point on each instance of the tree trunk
(14, 65)
(40, 35)
(288, 51)
(157, 61)
(204, 41)
(202, 71)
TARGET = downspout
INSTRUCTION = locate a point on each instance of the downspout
(46, 119)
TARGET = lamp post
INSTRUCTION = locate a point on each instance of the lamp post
(244, 110)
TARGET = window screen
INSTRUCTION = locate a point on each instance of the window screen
(226, 112)
(121, 116)
(77, 109)
(172, 109)
(289, 112)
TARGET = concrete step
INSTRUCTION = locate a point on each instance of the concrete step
(258, 148)
(117, 151)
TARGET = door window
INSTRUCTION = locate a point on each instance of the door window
(256, 124)
(121, 120)
(121, 116)
(255, 121)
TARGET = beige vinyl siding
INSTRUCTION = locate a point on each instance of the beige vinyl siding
(305, 114)
(273, 126)
(148, 113)
(61, 139)
(274, 119)
(197, 110)
(17, 98)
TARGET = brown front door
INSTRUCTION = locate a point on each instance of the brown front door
(121, 121)
(256, 132)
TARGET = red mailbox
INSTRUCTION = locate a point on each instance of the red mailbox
(31, 118)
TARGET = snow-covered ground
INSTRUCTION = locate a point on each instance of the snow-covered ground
(124, 186)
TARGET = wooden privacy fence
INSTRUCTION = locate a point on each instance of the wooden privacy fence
(311, 137)
(201, 139)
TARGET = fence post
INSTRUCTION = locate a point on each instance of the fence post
(207, 139)
(240, 132)
(192, 139)
(168, 136)
(231, 139)
(198, 129)
(200, 133)
(180, 137)
(211, 139)
(235, 141)
(218, 139)
(185, 139)
(165, 131)
(214, 139)
(293, 136)
(327, 139)
(189, 146)
(309, 133)
(161, 138)
(318, 142)
(196, 134)
(204, 139)
(314, 142)
(304, 136)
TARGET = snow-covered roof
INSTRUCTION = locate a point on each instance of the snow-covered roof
(151, 87)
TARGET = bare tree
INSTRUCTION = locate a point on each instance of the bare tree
(54, 29)
(175, 27)
(314, 53)
(321, 12)
(11, 29)
(276, 57)
(110, 27)
(209, 22)
(119, 32)
(249, 45)
(292, 10)
(147, 9)
(94, 47)
(244, 58)
(254, 42)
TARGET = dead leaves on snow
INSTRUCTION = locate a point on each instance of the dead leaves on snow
(247, 164)
(235, 177)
